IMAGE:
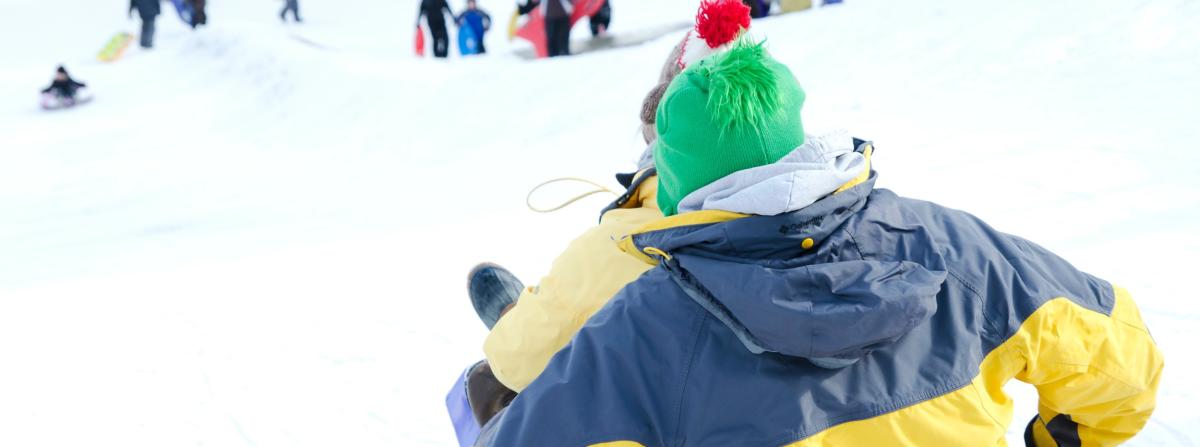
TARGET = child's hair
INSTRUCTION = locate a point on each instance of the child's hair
(669, 71)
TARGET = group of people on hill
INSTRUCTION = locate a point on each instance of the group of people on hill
(556, 14)
(149, 10)
(64, 88)
(435, 11)
(753, 286)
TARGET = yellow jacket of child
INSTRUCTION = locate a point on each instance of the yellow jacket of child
(581, 281)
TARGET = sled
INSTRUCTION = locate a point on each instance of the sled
(534, 29)
(51, 101)
(787, 6)
(468, 42)
(419, 42)
(612, 41)
(514, 24)
(184, 9)
(466, 429)
(115, 48)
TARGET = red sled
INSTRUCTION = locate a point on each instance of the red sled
(534, 29)
(419, 42)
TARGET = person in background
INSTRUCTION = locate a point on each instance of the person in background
(601, 20)
(199, 17)
(148, 10)
(758, 8)
(434, 12)
(294, 7)
(478, 20)
(63, 86)
(557, 15)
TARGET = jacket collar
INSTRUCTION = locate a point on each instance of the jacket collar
(741, 235)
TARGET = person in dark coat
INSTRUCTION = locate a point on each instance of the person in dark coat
(434, 12)
(63, 86)
(758, 8)
(198, 16)
(294, 7)
(601, 20)
(557, 14)
(478, 20)
(148, 10)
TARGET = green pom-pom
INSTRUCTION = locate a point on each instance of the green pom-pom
(742, 87)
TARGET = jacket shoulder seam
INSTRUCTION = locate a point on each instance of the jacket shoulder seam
(854, 242)
(993, 328)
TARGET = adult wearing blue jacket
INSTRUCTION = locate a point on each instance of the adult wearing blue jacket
(795, 304)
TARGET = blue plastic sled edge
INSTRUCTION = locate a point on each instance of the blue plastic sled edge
(461, 415)
(185, 11)
(468, 43)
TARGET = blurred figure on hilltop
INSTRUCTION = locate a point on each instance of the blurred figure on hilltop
(478, 21)
(432, 10)
(148, 10)
(758, 8)
(198, 16)
(557, 15)
(599, 22)
(63, 87)
(294, 7)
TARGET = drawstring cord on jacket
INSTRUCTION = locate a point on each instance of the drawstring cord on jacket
(599, 189)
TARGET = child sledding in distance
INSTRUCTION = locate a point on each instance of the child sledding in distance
(63, 91)
(790, 302)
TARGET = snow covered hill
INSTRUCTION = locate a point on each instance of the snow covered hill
(258, 233)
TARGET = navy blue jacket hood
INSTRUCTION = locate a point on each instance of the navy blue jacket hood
(755, 275)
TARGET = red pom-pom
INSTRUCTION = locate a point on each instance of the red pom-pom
(720, 21)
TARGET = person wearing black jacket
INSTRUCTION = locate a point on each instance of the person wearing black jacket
(294, 7)
(63, 86)
(198, 16)
(148, 10)
(600, 21)
(558, 24)
(758, 8)
(432, 10)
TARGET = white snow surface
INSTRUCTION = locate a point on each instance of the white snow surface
(258, 234)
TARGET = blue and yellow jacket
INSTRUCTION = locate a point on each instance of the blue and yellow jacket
(931, 310)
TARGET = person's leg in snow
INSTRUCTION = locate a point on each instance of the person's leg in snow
(492, 290)
(290, 6)
(441, 39)
(558, 36)
(199, 17)
(147, 38)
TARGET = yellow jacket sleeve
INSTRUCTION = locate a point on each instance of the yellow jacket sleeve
(1096, 375)
(580, 282)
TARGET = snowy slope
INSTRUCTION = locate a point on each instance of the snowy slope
(258, 233)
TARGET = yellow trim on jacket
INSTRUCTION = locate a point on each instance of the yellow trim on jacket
(581, 281)
(1102, 371)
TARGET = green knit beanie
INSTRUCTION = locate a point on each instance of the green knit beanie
(732, 111)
